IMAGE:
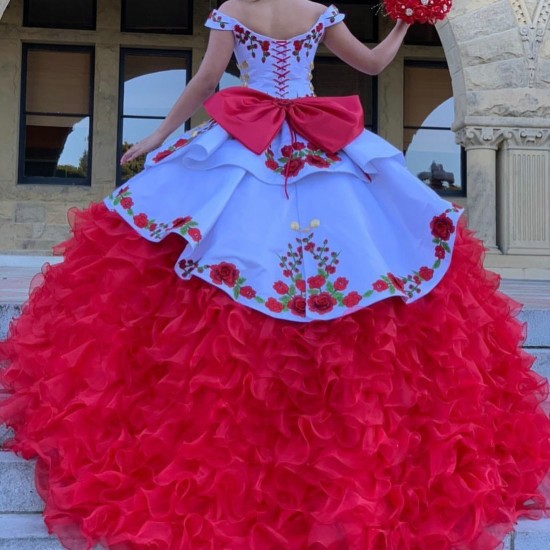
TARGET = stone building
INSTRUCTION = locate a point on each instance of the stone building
(468, 103)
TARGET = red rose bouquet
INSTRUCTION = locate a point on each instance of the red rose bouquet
(418, 11)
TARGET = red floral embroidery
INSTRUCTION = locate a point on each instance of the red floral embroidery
(442, 227)
(252, 42)
(141, 220)
(224, 273)
(295, 156)
(297, 305)
(280, 287)
(182, 142)
(247, 292)
(307, 43)
(274, 305)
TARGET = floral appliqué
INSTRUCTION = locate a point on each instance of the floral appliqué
(295, 156)
(252, 42)
(185, 226)
(182, 142)
(306, 44)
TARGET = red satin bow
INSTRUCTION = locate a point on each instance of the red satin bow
(254, 117)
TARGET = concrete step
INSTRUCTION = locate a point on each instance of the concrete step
(25, 532)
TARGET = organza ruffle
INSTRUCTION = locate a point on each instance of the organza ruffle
(163, 415)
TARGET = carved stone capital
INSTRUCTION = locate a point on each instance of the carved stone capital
(479, 137)
(528, 138)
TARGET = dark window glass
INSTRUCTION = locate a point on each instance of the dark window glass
(331, 77)
(60, 14)
(160, 16)
(361, 18)
(55, 132)
(424, 35)
(429, 143)
(150, 81)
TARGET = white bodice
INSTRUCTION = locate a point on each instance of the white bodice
(280, 68)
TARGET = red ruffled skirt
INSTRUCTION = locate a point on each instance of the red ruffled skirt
(163, 415)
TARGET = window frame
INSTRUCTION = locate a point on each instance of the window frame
(26, 23)
(439, 64)
(333, 60)
(125, 29)
(22, 179)
(182, 54)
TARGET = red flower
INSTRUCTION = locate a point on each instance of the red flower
(152, 227)
(265, 45)
(238, 29)
(351, 299)
(162, 155)
(379, 285)
(126, 202)
(224, 272)
(319, 27)
(417, 279)
(280, 287)
(298, 145)
(274, 305)
(310, 246)
(439, 252)
(319, 162)
(287, 273)
(297, 45)
(330, 269)
(271, 164)
(442, 227)
(426, 273)
(293, 167)
(298, 306)
(141, 220)
(321, 303)
(301, 285)
(341, 283)
(286, 151)
(195, 234)
(247, 292)
(178, 222)
(181, 142)
(396, 282)
(317, 281)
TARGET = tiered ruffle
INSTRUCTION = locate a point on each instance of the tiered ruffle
(163, 415)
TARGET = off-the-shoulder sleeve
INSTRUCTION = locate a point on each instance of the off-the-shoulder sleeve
(332, 16)
(220, 21)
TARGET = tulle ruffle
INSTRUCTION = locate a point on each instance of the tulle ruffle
(163, 415)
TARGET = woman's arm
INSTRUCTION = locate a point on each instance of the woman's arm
(201, 86)
(339, 40)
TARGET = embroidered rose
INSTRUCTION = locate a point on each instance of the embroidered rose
(396, 282)
(271, 164)
(321, 303)
(286, 151)
(265, 45)
(426, 273)
(178, 222)
(310, 246)
(330, 269)
(195, 234)
(341, 283)
(297, 306)
(317, 281)
(301, 285)
(280, 287)
(224, 272)
(297, 45)
(298, 145)
(351, 299)
(442, 227)
(380, 285)
(319, 162)
(141, 220)
(162, 155)
(126, 202)
(439, 252)
(274, 305)
(293, 167)
(247, 292)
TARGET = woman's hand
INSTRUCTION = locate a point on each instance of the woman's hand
(142, 147)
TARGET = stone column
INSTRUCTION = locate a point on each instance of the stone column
(481, 144)
(524, 191)
(3, 6)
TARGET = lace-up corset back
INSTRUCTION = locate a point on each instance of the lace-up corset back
(281, 68)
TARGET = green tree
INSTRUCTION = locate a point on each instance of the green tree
(133, 167)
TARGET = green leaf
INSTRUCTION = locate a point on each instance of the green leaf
(436, 241)
(339, 296)
(392, 290)
(240, 281)
(446, 246)
(284, 299)
(236, 292)
(259, 300)
(292, 290)
(322, 272)
(130, 212)
(330, 287)
(314, 291)
(437, 263)
(117, 200)
(368, 293)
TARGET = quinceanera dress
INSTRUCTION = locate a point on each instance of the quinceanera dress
(276, 338)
